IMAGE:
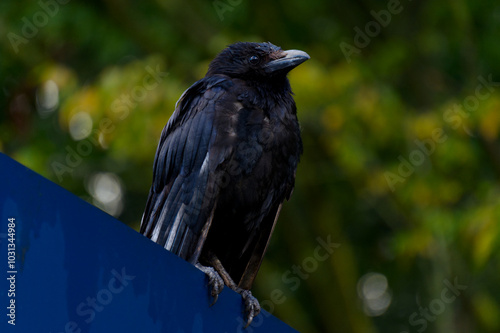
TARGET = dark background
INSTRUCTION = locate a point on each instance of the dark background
(400, 121)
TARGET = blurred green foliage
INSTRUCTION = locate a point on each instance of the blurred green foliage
(401, 159)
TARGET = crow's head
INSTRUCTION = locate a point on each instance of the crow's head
(256, 61)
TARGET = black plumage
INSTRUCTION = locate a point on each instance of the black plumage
(226, 161)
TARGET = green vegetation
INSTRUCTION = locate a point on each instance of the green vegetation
(394, 222)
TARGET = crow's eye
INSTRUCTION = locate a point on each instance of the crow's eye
(254, 60)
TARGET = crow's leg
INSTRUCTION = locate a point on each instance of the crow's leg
(214, 280)
(252, 306)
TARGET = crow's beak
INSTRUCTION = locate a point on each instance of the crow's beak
(292, 59)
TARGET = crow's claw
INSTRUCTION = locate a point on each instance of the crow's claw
(218, 276)
(214, 280)
(252, 306)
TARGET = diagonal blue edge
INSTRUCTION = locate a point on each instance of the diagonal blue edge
(80, 270)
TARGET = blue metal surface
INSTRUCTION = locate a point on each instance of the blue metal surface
(77, 269)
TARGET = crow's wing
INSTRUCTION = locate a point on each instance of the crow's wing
(184, 193)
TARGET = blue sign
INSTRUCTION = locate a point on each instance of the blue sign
(68, 267)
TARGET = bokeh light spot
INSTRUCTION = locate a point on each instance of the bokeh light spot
(80, 126)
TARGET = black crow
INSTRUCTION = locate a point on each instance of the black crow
(225, 163)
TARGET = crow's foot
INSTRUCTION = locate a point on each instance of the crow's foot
(252, 306)
(214, 280)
